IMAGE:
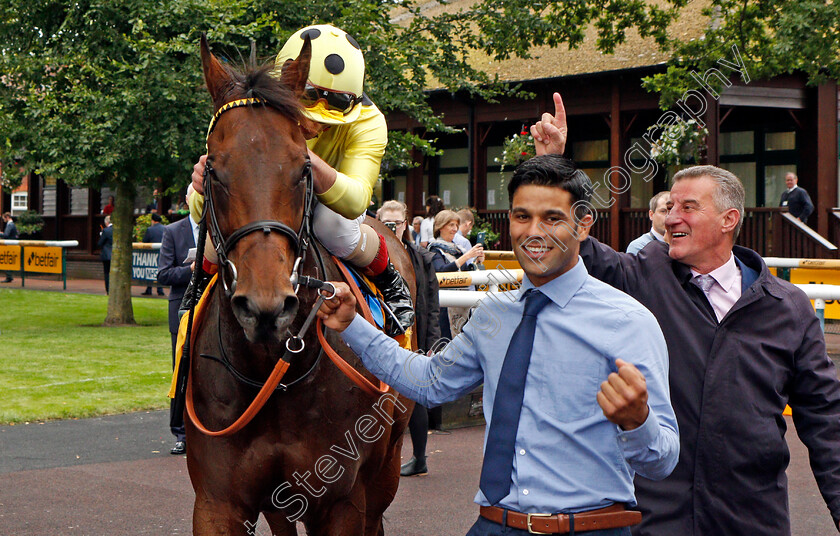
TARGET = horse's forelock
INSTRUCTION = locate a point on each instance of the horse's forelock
(257, 82)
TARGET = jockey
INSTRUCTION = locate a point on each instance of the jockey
(346, 137)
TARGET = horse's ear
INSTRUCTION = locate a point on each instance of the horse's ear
(215, 75)
(295, 73)
(252, 59)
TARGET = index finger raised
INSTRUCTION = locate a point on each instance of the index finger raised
(559, 110)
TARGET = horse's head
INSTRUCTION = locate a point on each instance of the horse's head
(256, 187)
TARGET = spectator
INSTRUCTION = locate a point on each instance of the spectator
(434, 204)
(555, 443)
(10, 232)
(796, 199)
(426, 310)
(657, 214)
(451, 258)
(743, 345)
(109, 208)
(415, 230)
(106, 242)
(175, 271)
(461, 237)
(152, 207)
(154, 235)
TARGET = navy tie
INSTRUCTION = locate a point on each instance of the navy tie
(507, 405)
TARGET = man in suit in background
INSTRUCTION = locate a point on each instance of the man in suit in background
(106, 243)
(657, 214)
(9, 233)
(154, 235)
(796, 199)
(175, 271)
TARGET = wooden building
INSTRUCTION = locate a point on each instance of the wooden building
(759, 129)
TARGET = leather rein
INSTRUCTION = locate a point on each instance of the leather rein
(300, 241)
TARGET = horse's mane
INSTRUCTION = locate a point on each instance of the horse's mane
(252, 81)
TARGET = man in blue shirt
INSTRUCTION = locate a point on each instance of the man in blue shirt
(596, 406)
(657, 214)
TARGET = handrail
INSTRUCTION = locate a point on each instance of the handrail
(145, 245)
(810, 232)
(494, 278)
(40, 243)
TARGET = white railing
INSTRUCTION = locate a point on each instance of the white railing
(40, 243)
(471, 298)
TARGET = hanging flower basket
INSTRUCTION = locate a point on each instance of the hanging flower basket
(683, 142)
(517, 149)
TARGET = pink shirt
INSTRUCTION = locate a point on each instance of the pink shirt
(726, 288)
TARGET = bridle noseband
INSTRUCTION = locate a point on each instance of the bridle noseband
(299, 239)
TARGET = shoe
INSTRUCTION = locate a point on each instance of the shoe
(146, 293)
(161, 293)
(397, 298)
(8, 280)
(179, 448)
(414, 467)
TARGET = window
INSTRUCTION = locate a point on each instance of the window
(20, 201)
(497, 180)
(732, 143)
(780, 141)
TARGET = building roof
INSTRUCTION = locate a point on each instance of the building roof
(586, 59)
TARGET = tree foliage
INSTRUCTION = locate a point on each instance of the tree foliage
(773, 37)
(110, 91)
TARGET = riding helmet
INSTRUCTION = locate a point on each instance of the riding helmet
(336, 73)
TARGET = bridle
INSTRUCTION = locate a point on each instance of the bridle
(299, 240)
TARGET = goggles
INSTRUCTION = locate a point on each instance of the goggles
(340, 102)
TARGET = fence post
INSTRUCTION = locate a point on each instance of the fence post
(819, 306)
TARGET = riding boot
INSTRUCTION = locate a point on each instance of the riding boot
(394, 291)
(190, 295)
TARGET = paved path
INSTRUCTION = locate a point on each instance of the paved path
(113, 475)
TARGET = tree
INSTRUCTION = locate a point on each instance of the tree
(109, 91)
(772, 37)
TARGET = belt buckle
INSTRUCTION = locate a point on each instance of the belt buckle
(531, 530)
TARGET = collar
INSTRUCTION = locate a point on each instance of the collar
(562, 288)
(725, 275)
(656, 235)
(795, 186)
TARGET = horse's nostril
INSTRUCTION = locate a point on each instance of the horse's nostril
(290, 305)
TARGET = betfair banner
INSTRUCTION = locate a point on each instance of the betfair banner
(44, 260)
(10, 258)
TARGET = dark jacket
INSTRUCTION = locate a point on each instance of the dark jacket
(798, 202)
(154, 233)
(106, 243)
(10, 232)
(172, 270)
(730, 382)
(427, 307)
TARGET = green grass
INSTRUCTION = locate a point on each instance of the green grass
(57, 361)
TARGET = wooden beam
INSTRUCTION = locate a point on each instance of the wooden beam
(615, 161)
(827, 153)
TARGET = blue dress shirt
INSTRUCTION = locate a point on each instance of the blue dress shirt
(569, 457)
(462, 242)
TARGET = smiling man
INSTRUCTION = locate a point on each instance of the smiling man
(742, 345)
(574, 374)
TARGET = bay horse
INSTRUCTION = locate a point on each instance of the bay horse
(321, 450)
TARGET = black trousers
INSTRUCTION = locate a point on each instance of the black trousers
(178, 420)
(106, 265)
